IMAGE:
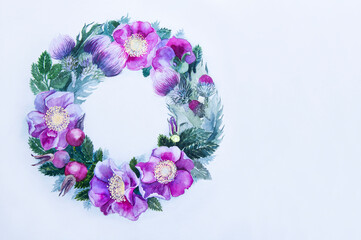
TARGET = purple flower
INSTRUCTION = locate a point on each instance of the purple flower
(166, 173)
(112, 190)
(196, 107)
(55, 114)
(109, 56)
(173, 127)
(61, 47)
(164, 80)
(138, 41)
(181, 47)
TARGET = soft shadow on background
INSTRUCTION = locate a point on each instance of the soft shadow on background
(289, 74)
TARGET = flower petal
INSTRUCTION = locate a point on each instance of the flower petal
(36, 123)
(180, 47)
(182, 181)
(146, 170)
(61, 46)
(129, 178)
(49, 139)
(98, 193)
(127, 210)
(163, 57)
(121, 33)
(155, 189)
(107, 208)
(103, 170)
(75, 113)
(137, 63)
(165, 153)
(61, 99)
(142, 28)
(40, 101)
(184, 163)
(62, 143)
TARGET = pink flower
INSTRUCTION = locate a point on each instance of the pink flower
(138, 41)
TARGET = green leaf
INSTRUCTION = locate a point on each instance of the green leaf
(98, 157)
(132, 164)
(35, 72)
(61, 80)
(87, 149)
(109, 27)
(200, 172)
(164, 141)
(37, 86)
(191, 136)
(54, 71)
(197, 50)
(154, 204)
(200, 150)
(146, 71)
(82, 195)
(164, 33)
(35, 146)
(50, 170)
(44, 62)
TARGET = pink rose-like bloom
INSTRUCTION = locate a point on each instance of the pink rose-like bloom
(138, 41)
(55, 114)
(112, 190)
(166, 173)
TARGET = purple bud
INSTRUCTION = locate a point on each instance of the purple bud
(61, 158)
(196, 107)
(111, 60)
(206, 79)
(164, 80)
(173, 128)
(61, 47)
(96, 43)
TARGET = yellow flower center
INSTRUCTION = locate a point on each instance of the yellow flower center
(165, 171)
(136, 45)
(57, 118)
(116, 188)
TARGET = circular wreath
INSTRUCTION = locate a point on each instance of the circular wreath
(56, 126)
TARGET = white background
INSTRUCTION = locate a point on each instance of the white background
(289, 73)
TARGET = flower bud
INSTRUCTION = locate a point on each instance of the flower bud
(75, 137)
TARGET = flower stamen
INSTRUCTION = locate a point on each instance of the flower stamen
(165, 171)
(57, 118)
(116, 188)
(136, 45)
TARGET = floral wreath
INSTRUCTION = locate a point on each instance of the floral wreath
(57, 123)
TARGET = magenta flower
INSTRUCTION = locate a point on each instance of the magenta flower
(112, 190)
(138, 41)
(166, 173)
(55, 114)
(109, 56)
(181, 47)
(61, 47)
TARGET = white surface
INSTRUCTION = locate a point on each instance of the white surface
(289, 73)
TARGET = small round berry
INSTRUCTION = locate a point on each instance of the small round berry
(175, 138)
(61, 158)
(75, 137)
(78, 170)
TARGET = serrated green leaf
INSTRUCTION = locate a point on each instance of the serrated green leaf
(200, 150)
(61, 80)
(82, 195)
(35, 146)
(50, 170)
(164, 33)
(98, 155)
(132, 164)
(87, 149)
(54, 71)
(44, 62)
(35, 72)
(154, 204)
(38, 86)
(191, 136)
(146, 71)
(109, 27)
(200, 172)
(164, 141)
